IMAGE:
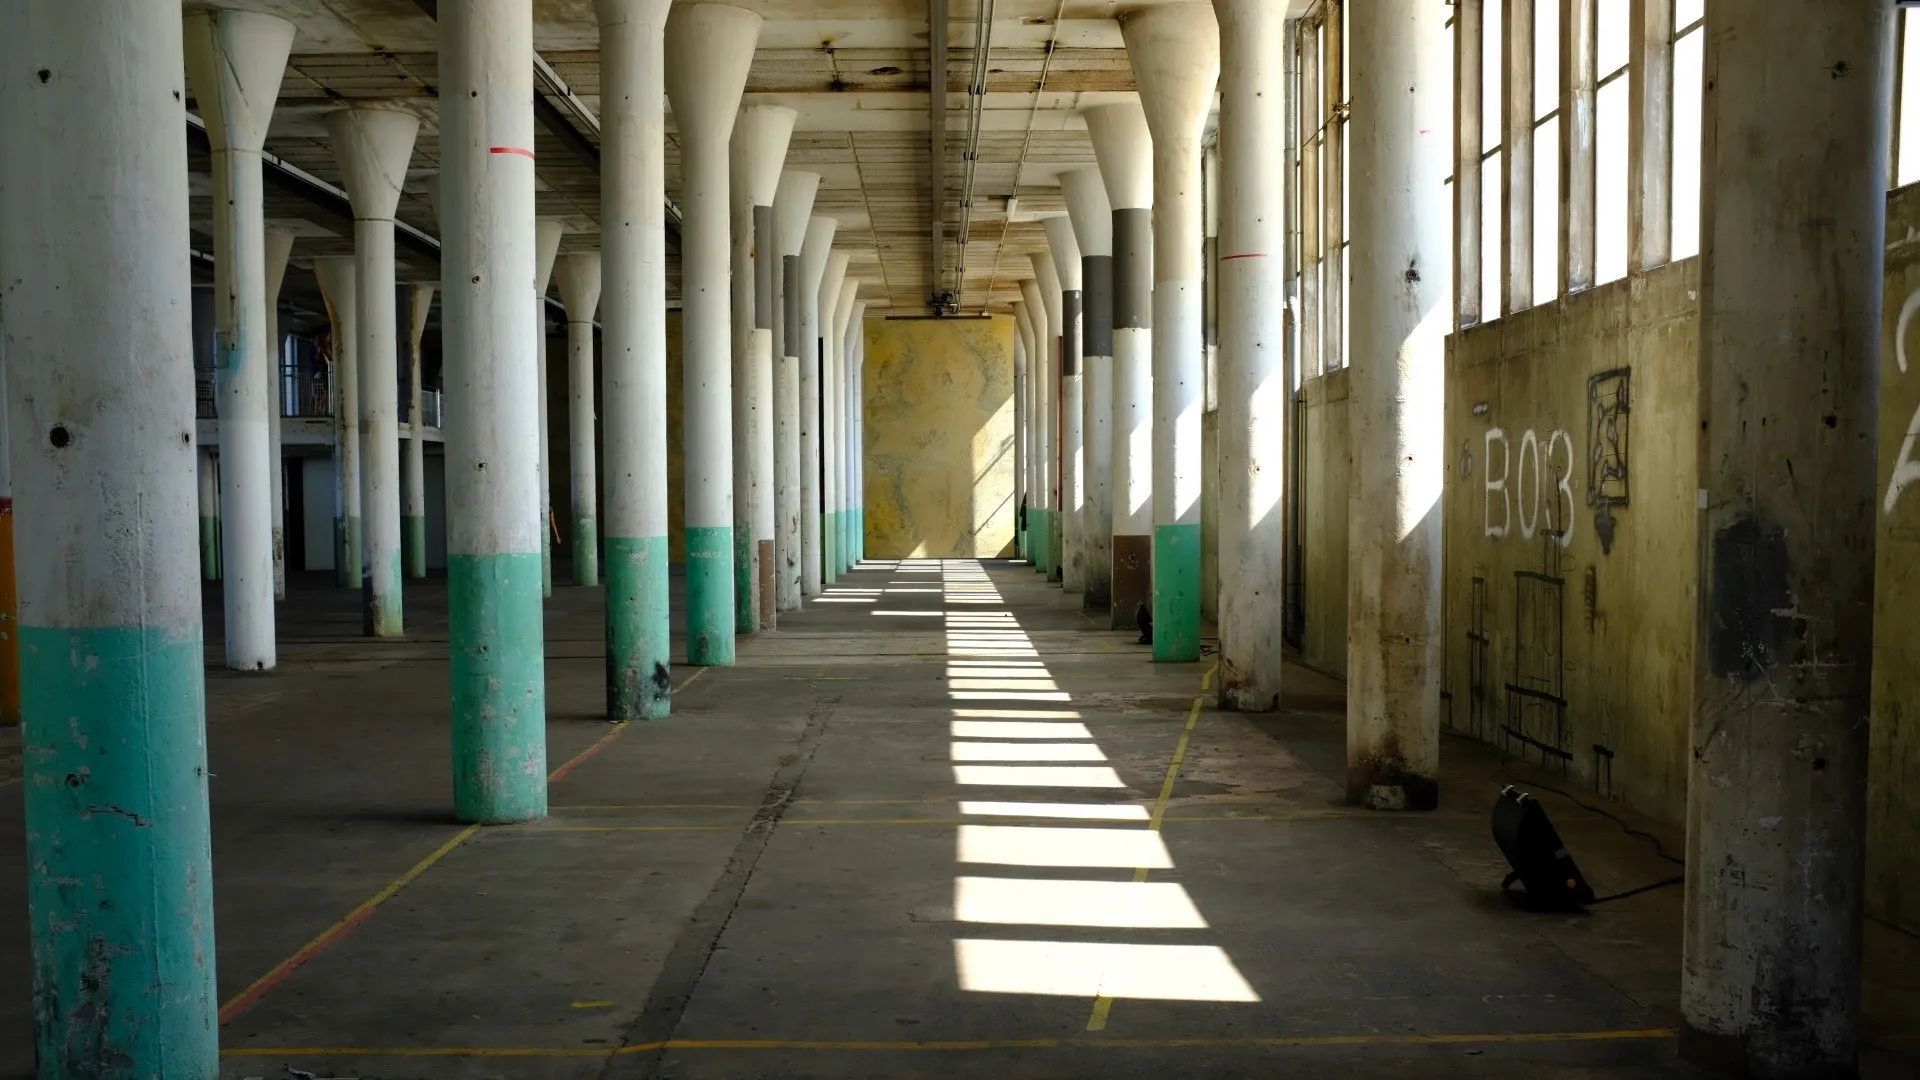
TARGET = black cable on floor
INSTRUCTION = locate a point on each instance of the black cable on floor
(1658, 848)
(1661, 884)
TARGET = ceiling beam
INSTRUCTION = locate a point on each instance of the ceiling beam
(937, 145)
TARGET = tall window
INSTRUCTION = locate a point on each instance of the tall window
(1610, 140)
(1320, 90)
(1906, 142)
(1546, 149)
(1492, 67)
(1689, 80)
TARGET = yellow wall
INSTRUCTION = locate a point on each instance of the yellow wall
(939, 437)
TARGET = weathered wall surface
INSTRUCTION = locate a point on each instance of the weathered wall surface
(1893, 796)
(1570, 555)
(1325, 466)
(939, 438)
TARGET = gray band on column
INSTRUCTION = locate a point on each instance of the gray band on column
(1070, 332)
(763, 264)
(790, 272)
(1210, 295)
(1096, 274)
(1132, 269)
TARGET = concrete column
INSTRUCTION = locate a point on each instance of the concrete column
(633, 350)
(337, 277)
(792, 207)
(99, 348)
(817, 277)
(9, 580)
(279, 249)
(547, 233)
(1066, 261)
(1254, 395)
(850, 493)
(579, 280)
(1092, 217)
(1175, 50)
(373, 146)
(1022, 428)
(235, 60)
(1399, 316)
(488, 257)
(836, 448)
(1124, 148)
(709, 47)
(207, 492)
(1051, 313)
(1790, 324)
(1040, 373)
(413, 520)
(759, 147)
(832, 284)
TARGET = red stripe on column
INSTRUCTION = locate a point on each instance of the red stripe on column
(525, 153)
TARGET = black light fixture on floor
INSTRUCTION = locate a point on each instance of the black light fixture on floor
(1532, 847)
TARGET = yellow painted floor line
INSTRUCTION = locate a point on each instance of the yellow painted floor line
(258, 989)
(1103, 1005)
(911, 1046)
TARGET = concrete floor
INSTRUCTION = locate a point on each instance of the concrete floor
(765, 884)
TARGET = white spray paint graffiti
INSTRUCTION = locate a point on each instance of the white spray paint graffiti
(1524, 499)
(1906, 468)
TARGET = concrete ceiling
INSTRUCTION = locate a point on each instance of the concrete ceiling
(855, 70)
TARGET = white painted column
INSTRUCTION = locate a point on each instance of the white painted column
(1092, 217)
(279, 251)
(1040, 373)
(792, 206)
(1050, 315)
(1175, 50)
(1124, 148)
(1065, 248)
(373, 146)
(1254, 395)
(1398, 317)
(337, 276)
(1023, 382)
(235, 60)
(414, 465)
(1019, 431)
(547, 233)
(816, 279)
(836, 452)
(99, 348)
(832, 284)
(494, 572)
(759, 147)
(633, 369)
(578, 275)
(709, 47)
(850, 494)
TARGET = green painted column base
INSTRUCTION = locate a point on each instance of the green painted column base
(860, 535)
(586, 551)
(119, 862)
(413, 535)
(710, 608)
(385, 608)
(1176, 592)
(639, 636)
(497, 652)
(745, 619)
(210, 548)
(1039, 531)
